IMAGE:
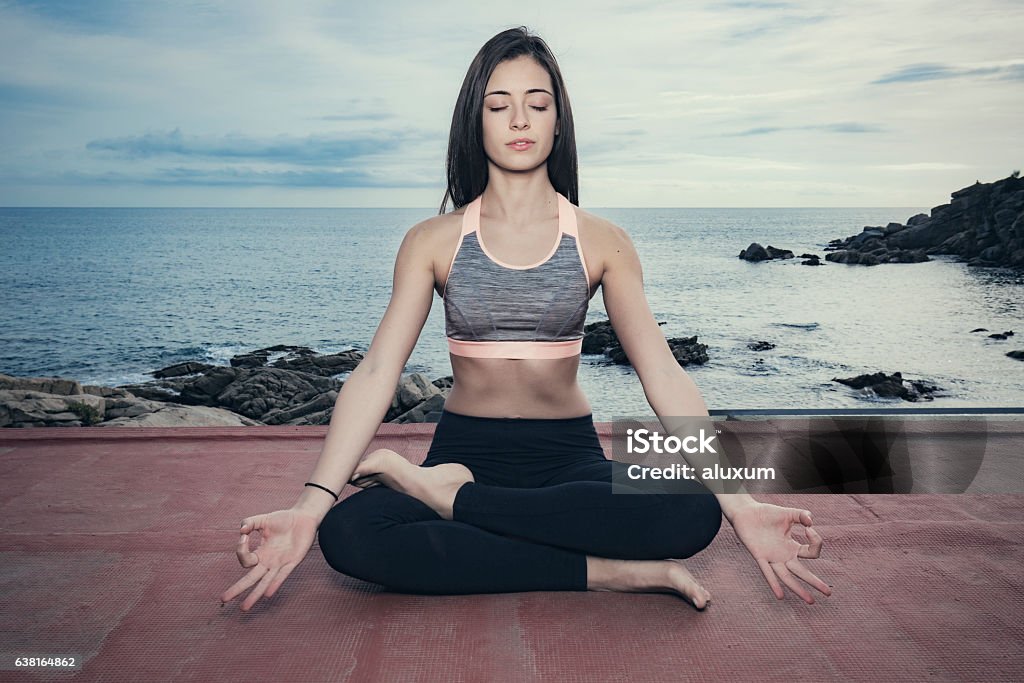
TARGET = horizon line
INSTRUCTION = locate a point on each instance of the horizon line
(430, 209)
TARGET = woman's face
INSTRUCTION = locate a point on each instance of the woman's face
(519, 103)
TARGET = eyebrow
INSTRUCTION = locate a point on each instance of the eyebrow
(505, 92)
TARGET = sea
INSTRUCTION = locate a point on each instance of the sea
(108, 295)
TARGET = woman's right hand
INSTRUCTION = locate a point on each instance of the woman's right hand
(287, 535)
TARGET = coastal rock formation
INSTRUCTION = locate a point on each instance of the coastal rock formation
(297, 388)
(983, 225)
(600, 338)
(760, 346)
(891, 386)
(56, 402)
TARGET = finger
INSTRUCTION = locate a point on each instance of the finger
(366, 482)
(258, 591)
(250, 524)
(798, 516)
(811, 550)
(281, 576)
(769, 576)
(247, 558)
(808, 576)
(794, 585)
(243, 583)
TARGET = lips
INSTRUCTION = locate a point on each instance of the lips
(520, 144)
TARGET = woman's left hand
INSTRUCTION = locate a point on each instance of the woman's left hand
(764, 530)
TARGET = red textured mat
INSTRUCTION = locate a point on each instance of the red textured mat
(116, 545)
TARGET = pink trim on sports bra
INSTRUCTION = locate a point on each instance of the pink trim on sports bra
(474, 220)
(516, 349)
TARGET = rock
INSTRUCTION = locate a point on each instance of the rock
(983, 225)
(320, 404)
(175, 415)
(44, 385)
(979, 329)
(181, 369)
(755, 252)
(100, 406)
(1019, 355)
(205, 389)
(688, 351)
(298, 387)
(813, 261)
(600, 338)
(891, 386)
(774, 253)
(760, 346)
(256, 392)
(1001, 335)
(427, 411)
(28, 408)
(300, 359)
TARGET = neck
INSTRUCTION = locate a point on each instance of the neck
(519, 198)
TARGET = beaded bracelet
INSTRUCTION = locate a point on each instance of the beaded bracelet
(309, 483)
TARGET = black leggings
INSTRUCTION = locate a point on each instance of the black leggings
(542, 501)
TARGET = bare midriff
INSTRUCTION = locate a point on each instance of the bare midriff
(511, 387)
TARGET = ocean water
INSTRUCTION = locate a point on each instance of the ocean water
(107, 295)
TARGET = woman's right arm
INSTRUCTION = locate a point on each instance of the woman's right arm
(366, 395)
(287, 535)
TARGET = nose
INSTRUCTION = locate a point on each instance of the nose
(519, 121)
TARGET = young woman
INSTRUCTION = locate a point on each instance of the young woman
(515, 493)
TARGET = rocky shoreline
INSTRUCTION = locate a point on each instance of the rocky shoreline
(983, 225)
(294, 385)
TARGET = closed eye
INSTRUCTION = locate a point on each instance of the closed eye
(503, 108)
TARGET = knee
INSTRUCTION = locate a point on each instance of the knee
(696, 519)
(344, 539)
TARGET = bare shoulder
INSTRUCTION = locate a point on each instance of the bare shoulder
(602, 238)
(436, 229)
(438, 237)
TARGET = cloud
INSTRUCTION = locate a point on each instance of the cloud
(752, 4)
(777, 25)
(934, 71)
(842, 127)
(311, 150)
(924, 166)
(117, 17)
(20, 95)
(238, 177)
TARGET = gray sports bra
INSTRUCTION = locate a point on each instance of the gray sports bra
(497, 310)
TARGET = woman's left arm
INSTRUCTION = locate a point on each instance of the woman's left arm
(668, 388)
(763, 528)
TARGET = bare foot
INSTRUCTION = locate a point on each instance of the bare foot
(645, 576)
(435, 486)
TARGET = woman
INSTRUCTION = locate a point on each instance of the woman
(515, 492)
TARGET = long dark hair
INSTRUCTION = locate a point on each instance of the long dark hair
(467, 162)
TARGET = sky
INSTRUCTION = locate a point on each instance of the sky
(337, 104)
